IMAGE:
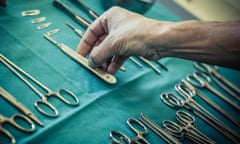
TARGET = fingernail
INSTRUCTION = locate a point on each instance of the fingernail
(91, 62)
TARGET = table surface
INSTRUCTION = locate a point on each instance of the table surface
(103, 107)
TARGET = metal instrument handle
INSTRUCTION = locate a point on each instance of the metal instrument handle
(174, 129)
(158, 130)
(118, 137)
(172, 100)
(63, 95)
(140, 132)
(46, 105)
(14, 122)
(107, 77)
(8, 135)
(199, 79)
(185, 118)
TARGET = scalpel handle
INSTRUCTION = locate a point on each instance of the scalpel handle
(107, 77)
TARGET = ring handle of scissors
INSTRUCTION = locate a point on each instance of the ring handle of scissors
(48, 105)
(63, 92)
(8, 135)
(15, 123)
(131, 122)
(184, 90)
(172, 100)
(203, 67)
(118, 137)
(185, 118)
(173, 128)
(199, 79)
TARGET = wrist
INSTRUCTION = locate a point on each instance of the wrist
(172, 39)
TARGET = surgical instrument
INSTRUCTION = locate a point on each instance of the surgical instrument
(135, 61)
(134, 124)
(77, 31)
(150, 64)
(186, 88)
(19, 105)
(43, 26)
(44, 101)
(107, 77)
(91, 12)
(201, 80)
(80, 33)
(161, 65)
(31, 12)
(52, 32)
(15, 121)
(38, 20)
(186, 128)
(85, 23)
(219, 79)
(95, 15)
(158, 130)
(191, 105)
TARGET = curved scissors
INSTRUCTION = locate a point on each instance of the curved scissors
(189, 103)
(120, 138)
(213, 72)
(62, 94)
(201, 80)
(188, 122)
(13, 121)
(186, 88)
(186, 128)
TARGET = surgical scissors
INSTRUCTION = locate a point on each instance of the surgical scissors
(135, 125)
(201, 80)
(158, 130)
(191, 105)
(19, 105)
(15, 121)
(60, 94)
(218, 78)
(186, 128)
(186, 88)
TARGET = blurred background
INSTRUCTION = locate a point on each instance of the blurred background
(219, 10)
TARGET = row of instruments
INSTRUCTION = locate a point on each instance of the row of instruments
(43, 105)
(173, 132)
(188, 89)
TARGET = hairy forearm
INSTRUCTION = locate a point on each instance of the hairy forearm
(210, 42)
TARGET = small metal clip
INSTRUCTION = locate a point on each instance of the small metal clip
(52, 32)
(37, 20)
(30, 12)
(44, 26)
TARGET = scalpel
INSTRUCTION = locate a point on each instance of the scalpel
(107, 77)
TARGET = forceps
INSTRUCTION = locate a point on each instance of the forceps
(186, 88)
(15, 121)
(201, 80)
(158, 130)
(60, 94)
(20, 106)
(137, 127)
(218, 78)
(186, 128)
(188, 103)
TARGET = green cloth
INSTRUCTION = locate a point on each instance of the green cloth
(103, 107)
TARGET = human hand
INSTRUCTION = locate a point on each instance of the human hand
(116, 35)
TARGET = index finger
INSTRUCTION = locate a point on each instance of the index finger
(92, 35)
